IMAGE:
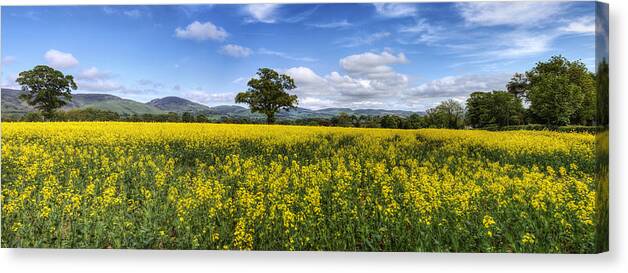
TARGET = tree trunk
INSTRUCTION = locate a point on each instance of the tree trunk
(270, 118)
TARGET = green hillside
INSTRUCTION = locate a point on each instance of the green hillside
(12, 105)
(177, 105)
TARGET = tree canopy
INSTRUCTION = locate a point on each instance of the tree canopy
(46, 89)
(518, 85)
(267, 93)
(448, 114)
(561, 92)
(497, 108)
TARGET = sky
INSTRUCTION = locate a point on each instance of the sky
(386, 56)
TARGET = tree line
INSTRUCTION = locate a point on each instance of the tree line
(554, 93)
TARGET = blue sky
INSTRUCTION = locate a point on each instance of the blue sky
(393, 56)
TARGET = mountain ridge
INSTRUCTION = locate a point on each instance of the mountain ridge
(12, 105)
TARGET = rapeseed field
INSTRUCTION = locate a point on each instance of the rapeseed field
(272, 187)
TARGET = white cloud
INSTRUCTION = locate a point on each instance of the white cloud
(60, 59)
(304, 75)
(422, 33)
(93, 73)
(369, 78)
(307, 81)
(508, 13)
(371, 82)
(190, 10)
(264, 13)
(583, 25)
(210, 98)
(134, 13)
(235, 51)
(521, 44)
(316, 103)
(202, 31)
(108, 10)
(395, 9)
(150, 83)
(509, 45)
(99, 85)
(9, 82)
(283, 55)
(458, 86)
(337, 24)
(7, 60)
(94, 80)
(362, 40)
(372, 65)
(299, 16)
(239, 80)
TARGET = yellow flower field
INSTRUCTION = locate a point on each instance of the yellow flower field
(218, 186)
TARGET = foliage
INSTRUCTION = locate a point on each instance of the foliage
(32, 116)
(580, 129)
(448, 114)
(267, 93)
(86, 114)
(46, 89)
(187, 117)
(561, 92)
(498, 108)
(219, 186)
(518, 85)
(602, 92)
(543, 127)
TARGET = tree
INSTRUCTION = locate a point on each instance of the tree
(561, 92)
(343, 119)
(498, 108)
(448, 114)
(602, 93)
(478, 110)
(202, 118)
(187, 117)
(87, 114)
(518, 85)
(46, 89)
(507, 109)
(267, 93)
(414, 121)
(391, 121)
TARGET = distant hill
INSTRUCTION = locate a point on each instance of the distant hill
(12, 105)
(226, 109)
(111, 103)
(178, 105)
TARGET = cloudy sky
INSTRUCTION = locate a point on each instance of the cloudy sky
(393, 56)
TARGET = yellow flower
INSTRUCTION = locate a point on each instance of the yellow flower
(528, 238)
(488, 221)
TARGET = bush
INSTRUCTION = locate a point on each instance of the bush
(542, 127)
(32, 116)
(529, 127)
(580, 129)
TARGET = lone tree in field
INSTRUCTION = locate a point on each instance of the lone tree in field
(46, 89)
(267, 93)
